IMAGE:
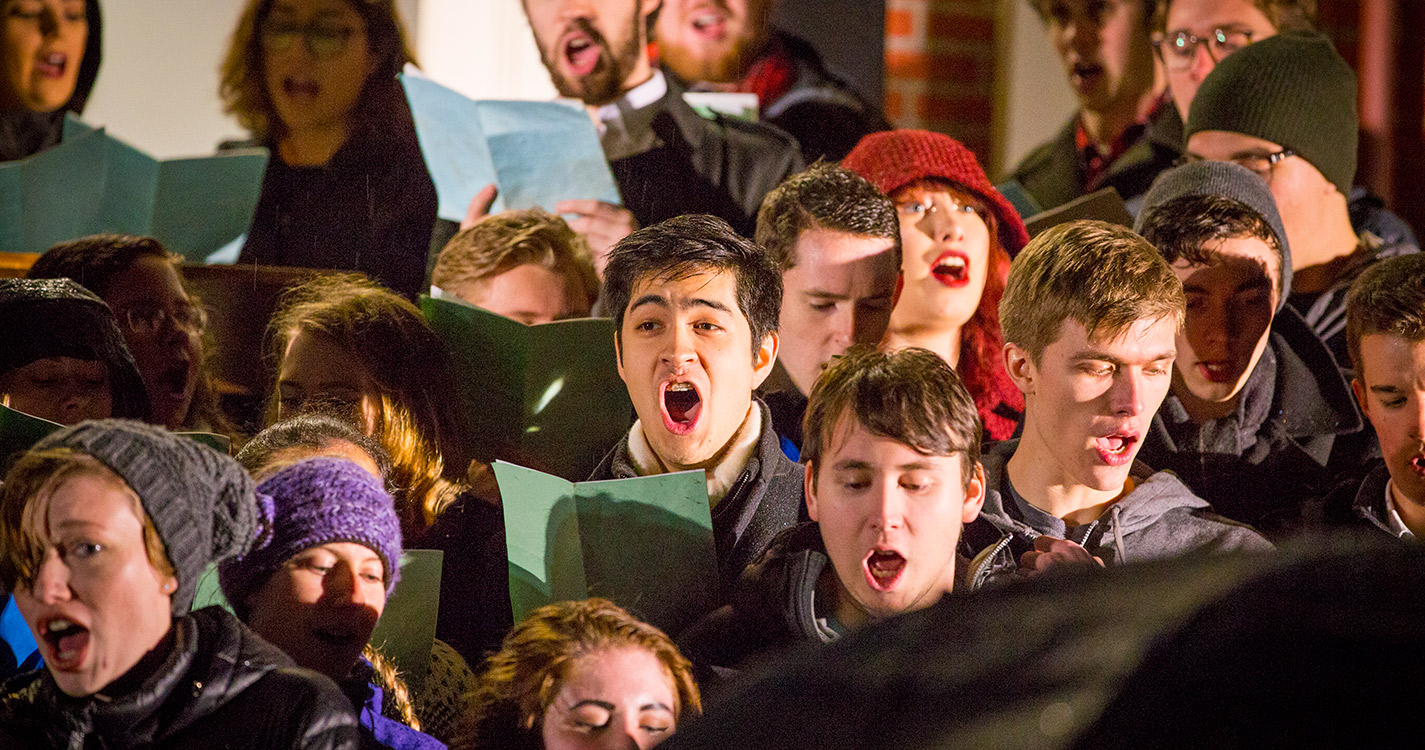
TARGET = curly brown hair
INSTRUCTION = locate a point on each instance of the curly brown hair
(521, 680)
(244, 92)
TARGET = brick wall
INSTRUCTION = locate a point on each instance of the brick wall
(940, 62)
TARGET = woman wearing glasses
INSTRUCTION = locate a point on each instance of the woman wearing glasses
(346, 187)
(49, 57)
(162, 326)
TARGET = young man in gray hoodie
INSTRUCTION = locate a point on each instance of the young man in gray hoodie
(1090, 315)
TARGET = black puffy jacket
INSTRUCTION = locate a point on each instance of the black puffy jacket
(212, 684)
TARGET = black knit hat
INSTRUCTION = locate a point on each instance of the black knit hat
(42, 318)
(201, 502)
(1226, 180)
(1292, 89)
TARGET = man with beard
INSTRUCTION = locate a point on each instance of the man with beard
(729, 45)
(667, 160)
(1126, 130)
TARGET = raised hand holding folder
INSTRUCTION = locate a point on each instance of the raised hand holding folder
(536, 153)
(644, 543)
(547, 395)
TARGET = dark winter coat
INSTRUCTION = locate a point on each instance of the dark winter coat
(475, 577)
(1160, 518)
(1357, 503)
(371, 208)
(211, 684)
(674, 162)
(1325, 311)
(822, 111)
(774, 605)
(25, 133)
(1295, 433)
(1054, 172)
(765, 499)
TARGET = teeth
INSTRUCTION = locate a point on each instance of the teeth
(678, 387)
(705, 21)
(58, 625)
(579, 44)
(55, 59)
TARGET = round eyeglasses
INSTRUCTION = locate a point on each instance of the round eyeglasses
(321, 39)
(1179, 49)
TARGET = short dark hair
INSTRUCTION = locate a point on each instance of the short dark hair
(1286, 15)
(825, 196)
(1388, 298)
(1042, 8)
(912, 396)
(687, 245)
(95, 260)
(1181, 227)
(313, 431)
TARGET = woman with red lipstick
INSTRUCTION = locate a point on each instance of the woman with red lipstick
(957, 236)
(346, 188)
(105, 528)
(49, 58)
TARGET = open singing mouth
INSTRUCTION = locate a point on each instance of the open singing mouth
(682, 406)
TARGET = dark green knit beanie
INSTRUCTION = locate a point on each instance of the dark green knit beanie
(1292, 89)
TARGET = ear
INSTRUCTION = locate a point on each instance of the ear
(974, 495)
(809, 489)
(1020, 367)
(764, 358)
(1359, 389)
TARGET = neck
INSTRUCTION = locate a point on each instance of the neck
(841, 604)
(642, 73)
(312, 146)
(1316, 264)
(1411, 511)
(1201, 410)
(1040, 478)
(942, 341)
(1104, 126)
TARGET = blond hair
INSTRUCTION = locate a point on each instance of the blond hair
(1101, 275)
(507, 240)
(30, 487)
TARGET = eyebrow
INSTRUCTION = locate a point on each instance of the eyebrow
(1090, 355)
(1256, 283)
(852, 464)
(661, 301)
(590, 702)
(1385, 389)
(74, 523)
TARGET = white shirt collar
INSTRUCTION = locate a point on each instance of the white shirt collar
(638, 97)
(1393, 522)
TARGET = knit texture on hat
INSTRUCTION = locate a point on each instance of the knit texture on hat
(42, 318)
(1226, 180)
(1292, 89)
(318, 501)
(896, 158)
(201, 502)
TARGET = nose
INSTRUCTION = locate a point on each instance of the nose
(943, 224)
(342, 586)
(571, 9)
(76, 403)
(888, 506)
(52, 580)
(1202, 63)
(844, 323)
(680, 350)
(1126, 394)
(49, 21)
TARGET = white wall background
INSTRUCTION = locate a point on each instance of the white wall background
(481, 48)
(1036, 97)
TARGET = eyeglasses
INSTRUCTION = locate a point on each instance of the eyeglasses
(1258, 163)
(146, 319)
(1179, 50)
(322, 39)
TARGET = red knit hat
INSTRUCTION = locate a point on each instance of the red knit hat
(895, 158)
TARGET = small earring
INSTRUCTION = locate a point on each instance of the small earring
(169, 587)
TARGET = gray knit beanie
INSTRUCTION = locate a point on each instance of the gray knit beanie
(1292, 89)
(201, 502)
(1225, 180)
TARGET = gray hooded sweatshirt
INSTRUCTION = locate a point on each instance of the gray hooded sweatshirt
(1160, 518)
